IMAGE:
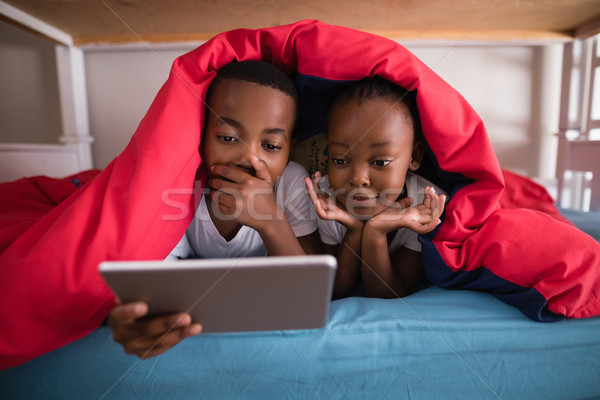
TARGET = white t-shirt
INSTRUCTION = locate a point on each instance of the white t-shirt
(332, 232)
(203, 240)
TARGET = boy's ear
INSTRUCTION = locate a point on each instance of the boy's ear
(292, 149)
(417, 155)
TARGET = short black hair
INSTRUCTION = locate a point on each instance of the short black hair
(380, 88)
(256, 71)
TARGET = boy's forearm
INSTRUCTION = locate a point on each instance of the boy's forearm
(279, 239)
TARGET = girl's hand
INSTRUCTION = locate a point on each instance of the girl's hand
(326, 206)
(421, 219)
(148, 337)
(433, 202)
(249, 200)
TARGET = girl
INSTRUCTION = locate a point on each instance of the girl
(374, 144)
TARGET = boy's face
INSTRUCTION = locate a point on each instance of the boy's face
(246, 118)
(370, 149)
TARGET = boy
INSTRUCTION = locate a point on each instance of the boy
(373, 141)
(256, 203)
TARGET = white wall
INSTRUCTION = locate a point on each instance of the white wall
(516, 92)
(498, 81)
(121, 86)
(29, 107)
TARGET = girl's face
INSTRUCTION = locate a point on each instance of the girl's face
(370, 151)
(247, 118)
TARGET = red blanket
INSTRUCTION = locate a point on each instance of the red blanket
(141, 204)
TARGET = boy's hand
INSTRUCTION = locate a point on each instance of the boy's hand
(247, 199)
(421, 219)
(148, 337)
(326, 206)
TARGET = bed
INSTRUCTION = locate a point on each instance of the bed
(436, 343)
(433, 344)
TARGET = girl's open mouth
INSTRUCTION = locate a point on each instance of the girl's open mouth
(362, 200)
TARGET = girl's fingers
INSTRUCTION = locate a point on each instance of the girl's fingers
(438, 206)
(442, 205)
(427, 197)
(310, 187)
(406, 202)
(323, 209)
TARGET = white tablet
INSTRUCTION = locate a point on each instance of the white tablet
(231, 294)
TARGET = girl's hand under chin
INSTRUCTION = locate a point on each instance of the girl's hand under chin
(421, 219)
(326, 206)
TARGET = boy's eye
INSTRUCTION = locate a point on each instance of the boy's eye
(381, 163)
(226, 138)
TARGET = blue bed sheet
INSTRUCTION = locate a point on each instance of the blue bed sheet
(433, 344)
(589, 222)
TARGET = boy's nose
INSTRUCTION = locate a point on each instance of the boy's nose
(243, 160)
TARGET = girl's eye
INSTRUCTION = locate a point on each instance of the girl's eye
(381, 163)
(272, 147)
(338, 161)
(226, 138)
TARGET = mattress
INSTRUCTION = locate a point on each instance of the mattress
(433, 344)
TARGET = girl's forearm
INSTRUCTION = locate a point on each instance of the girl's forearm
(378, 275)
(348, 257)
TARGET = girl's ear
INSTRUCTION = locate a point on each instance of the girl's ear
(417, 156)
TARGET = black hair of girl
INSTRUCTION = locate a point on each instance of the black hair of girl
(377, 88)
(256, 71)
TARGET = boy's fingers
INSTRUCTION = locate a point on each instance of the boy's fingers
(229, 173)
(162, 342)
(223, 171)
(221, 186)
(192, 330)
(129, 312)
(261, 168)
(218, 184)
(158, 326)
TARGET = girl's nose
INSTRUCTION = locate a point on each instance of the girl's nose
(360, 176)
